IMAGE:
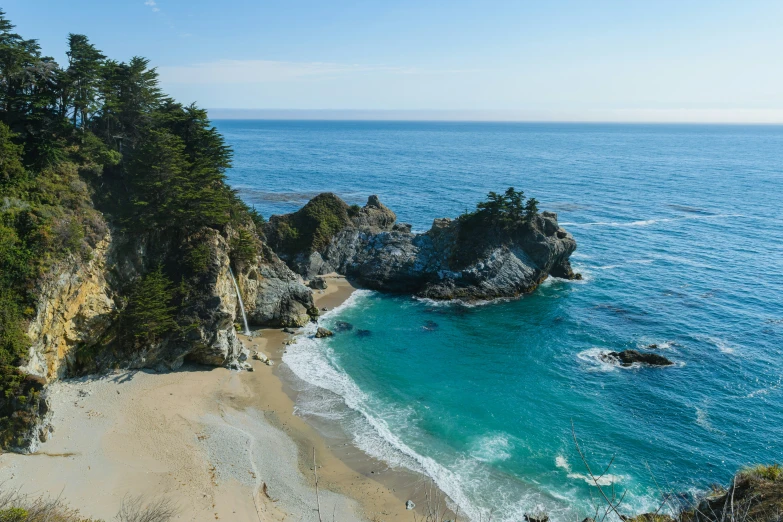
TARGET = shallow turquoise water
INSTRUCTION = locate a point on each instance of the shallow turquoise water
(679, 233)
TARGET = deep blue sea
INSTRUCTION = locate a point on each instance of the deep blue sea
(680, 234)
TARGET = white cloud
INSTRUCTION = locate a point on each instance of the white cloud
(153, 5)
(264, 71)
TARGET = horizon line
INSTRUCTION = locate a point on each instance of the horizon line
(639, 116)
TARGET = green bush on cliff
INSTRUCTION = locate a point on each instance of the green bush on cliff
(311, 228)
(771, 472)
(244, 248)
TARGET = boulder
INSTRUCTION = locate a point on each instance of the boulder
(323, 332)
(317, 283)
(409, 505)
(258, 356)
(629, 357)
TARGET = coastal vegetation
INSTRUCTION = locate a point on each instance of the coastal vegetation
(509, 210)
(311, 228)
(88, 147)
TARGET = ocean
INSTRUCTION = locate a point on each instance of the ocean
(680, 241)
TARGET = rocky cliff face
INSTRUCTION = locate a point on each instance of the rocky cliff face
(275, 295)
(446, 262)
(75, 324)
(73, 308)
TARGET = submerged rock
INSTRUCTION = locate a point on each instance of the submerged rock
(323, 332)
(430, 326)
(455, 259)
(629, 357)
(363, 333)
(343, 326)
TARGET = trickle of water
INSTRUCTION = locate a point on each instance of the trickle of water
(239, 298)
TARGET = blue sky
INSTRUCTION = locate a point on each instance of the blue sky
(654, 60)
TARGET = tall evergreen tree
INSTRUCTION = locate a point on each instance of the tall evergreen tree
(83, 74)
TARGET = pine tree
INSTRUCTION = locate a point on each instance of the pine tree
(83, 74)
(149, 314)
(531, 209)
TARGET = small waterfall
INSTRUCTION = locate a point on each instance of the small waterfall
(241, 304)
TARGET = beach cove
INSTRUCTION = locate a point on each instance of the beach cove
(221, 444)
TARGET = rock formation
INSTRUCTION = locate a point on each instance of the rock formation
(74, 329)
(629, 357)
(450, 261)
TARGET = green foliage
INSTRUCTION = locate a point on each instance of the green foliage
(244, 248)
(531, 209)
(149, 314)
(13, 514)
(771, 472)
(312, 227)
(11, 168)
(82, 77)
(507, 210)
(257, 218)
(100, 131)
(198, 257)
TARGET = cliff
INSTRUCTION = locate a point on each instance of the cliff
(455, 259)
(78, 323)
(75, 325)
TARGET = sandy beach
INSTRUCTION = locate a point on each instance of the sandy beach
(223, 445)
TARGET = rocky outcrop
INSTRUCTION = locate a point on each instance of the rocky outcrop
(630, 357)
(74, 308)
(317, 283)
(323, 332)
(274, 295)
(755, 494)
(449, 261)
(75, 326)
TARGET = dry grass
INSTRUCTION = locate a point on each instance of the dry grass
(135, 509)
(15, 507)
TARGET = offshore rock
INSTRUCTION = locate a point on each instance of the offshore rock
(323, 332)
(450, 261)
(629, 357)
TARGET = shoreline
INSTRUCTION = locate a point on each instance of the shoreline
(343, 468)
(223, 445)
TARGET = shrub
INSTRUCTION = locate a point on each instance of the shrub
(311, 228)
(198, 257)
(772, 472)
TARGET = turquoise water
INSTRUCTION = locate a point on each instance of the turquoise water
(681, 244)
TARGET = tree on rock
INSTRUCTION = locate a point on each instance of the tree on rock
(149, 313)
